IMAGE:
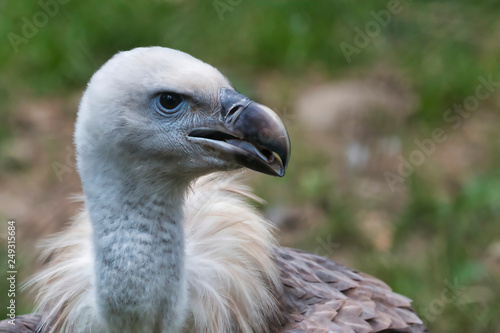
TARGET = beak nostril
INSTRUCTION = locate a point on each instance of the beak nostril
(233, 110)
(232, 103)
(234, 113)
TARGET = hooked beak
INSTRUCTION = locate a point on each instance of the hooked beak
(248, 133)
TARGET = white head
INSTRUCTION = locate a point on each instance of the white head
(179, 114)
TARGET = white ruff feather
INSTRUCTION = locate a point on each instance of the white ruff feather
(230, 272)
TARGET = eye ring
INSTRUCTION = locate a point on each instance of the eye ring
(168, 102)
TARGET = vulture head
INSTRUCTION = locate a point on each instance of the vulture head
(178, 113)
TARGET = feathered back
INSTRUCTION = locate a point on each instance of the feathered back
(64, 287)
(230, 271)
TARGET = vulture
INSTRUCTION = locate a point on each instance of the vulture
(169, 239)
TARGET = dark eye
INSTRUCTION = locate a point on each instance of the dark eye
(168, 102)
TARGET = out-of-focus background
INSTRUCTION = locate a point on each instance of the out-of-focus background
(392, 108)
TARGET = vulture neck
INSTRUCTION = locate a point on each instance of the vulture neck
(138, 243)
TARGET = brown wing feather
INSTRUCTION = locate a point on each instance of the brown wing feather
(23, 324)
(320, 295)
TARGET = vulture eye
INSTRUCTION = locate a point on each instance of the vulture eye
(168, 102)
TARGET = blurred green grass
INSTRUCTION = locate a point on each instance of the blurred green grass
(441, 47)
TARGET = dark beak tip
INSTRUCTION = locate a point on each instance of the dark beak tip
(260, 126)
(275, 172)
